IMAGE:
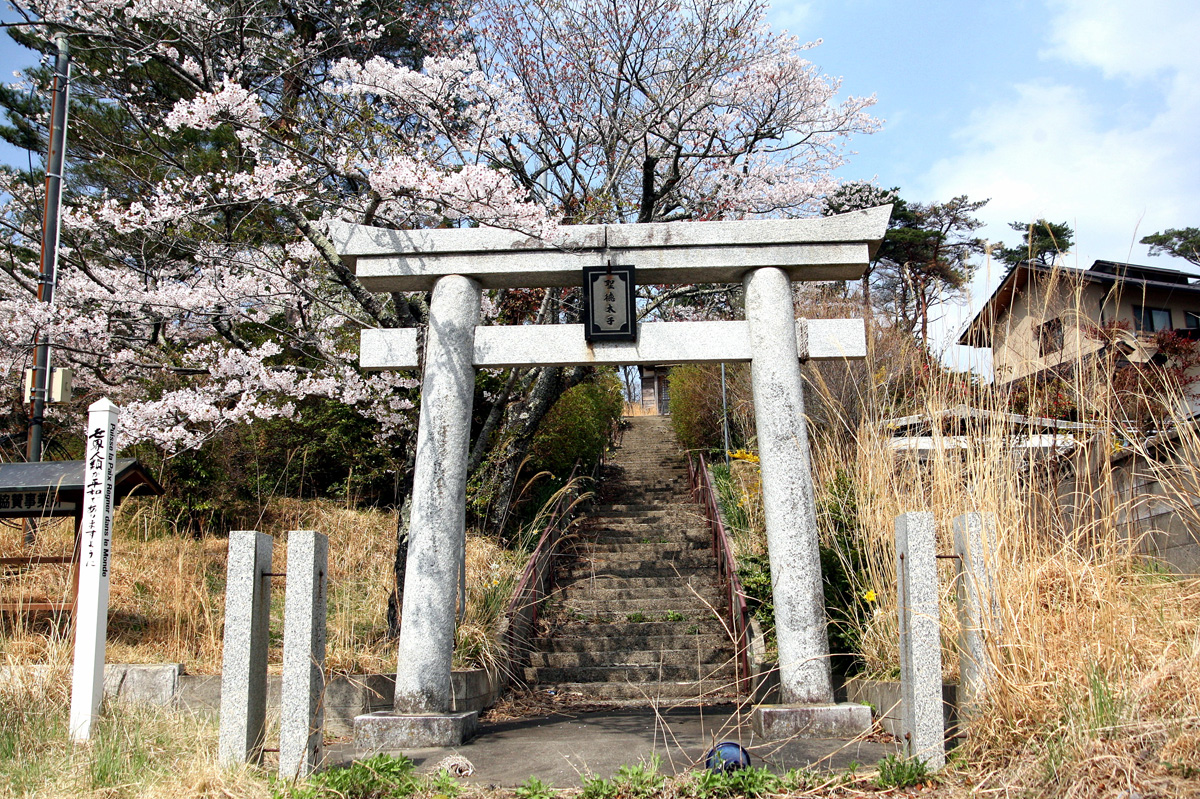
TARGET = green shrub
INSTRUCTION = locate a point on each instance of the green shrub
(695, 403)
(578, 426)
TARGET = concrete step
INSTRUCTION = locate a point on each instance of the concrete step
(686, 539)
(598, 527)
(632, 632)
(598, 642)
(631, 674)
(710, 593)
(682, 506)
(617, 565)
(710, 690)
(645, 512)
(687, 606)
(638, 584)
(656, 558)
(685, 658)
(653, 546)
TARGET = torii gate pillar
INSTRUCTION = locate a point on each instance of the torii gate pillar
(788, 501)
(438, 521)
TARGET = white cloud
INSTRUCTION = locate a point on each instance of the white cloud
(1115, 158)
(1123, 39)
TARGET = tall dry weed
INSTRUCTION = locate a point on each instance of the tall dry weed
(1096, 642)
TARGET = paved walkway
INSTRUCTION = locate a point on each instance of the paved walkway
(561, 748)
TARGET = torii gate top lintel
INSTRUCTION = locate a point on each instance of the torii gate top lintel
(823, 248)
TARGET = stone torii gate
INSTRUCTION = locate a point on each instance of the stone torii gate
(458, 264)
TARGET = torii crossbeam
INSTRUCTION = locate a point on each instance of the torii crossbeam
(765, 256)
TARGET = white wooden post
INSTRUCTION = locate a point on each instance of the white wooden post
(95, 543)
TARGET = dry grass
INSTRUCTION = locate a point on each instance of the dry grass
(134, 752)
(167, 591)
(1097, 689)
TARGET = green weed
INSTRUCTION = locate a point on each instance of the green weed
(596, 787)
(900, 772)
(533, 788)
(641, 781)
(378, 777)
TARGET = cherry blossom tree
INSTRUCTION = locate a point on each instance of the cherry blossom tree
(209, 140)
(656, 111)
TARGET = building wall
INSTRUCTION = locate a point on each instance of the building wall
(1154, 500)
(1015, 348)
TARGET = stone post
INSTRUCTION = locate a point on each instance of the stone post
(977, 612)
(301, 706)
(796, 586)
(922, 720)
(437, 533)
(95, 555)
(244, 662)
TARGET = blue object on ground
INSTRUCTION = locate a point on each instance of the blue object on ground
(727, 756)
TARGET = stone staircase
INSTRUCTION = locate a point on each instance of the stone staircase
(635, 613)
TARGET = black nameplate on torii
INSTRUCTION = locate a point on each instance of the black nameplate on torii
(609, 309)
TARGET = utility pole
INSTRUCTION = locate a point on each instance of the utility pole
(724, 414)
(55, 158)
(50, 231)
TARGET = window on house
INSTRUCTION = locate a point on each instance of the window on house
(1191, 320)
(1050, 337)
(1151, 320)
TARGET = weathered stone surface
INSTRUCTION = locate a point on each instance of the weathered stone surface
(438, 522)
(147, 684)
(658, 342)
(394, 732)
(920, 639)
(845, 720)
(244, 666)
(788, 504)
(886, 697)
(302, 700)
(978, 610)
(826, 248)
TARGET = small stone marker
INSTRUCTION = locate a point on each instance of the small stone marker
(977, 611)
(247, 631)
(95, 542)
(302, 711)
(922, 719)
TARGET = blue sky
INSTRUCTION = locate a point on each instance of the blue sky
(1081, 111)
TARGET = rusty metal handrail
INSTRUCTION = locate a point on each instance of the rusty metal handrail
(537, 579)
(739, 616)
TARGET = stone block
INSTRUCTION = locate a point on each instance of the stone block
(302, 692)
(148, 684)
(244, 665)
(923, 725)
(844, 720)
(978, 609)
(391, 732)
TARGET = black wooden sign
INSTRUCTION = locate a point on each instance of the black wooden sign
(609, 311)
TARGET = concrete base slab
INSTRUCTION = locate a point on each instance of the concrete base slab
(845, 720)
(562, 748)
(391, 732)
